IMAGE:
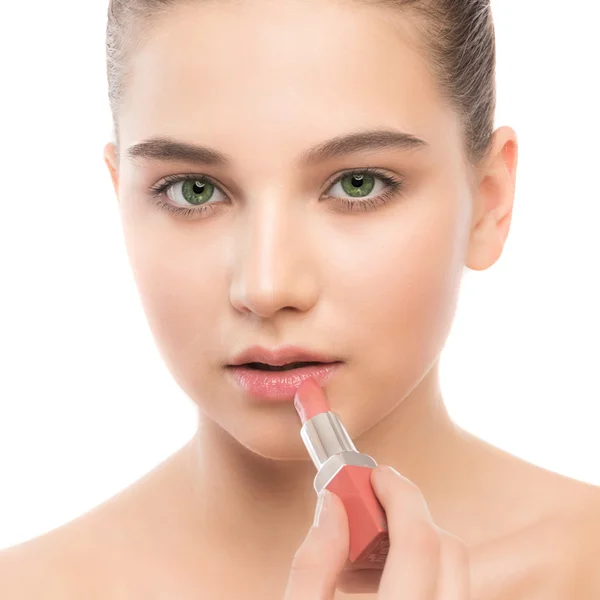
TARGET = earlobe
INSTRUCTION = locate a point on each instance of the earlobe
(494, 202)
(110, 159)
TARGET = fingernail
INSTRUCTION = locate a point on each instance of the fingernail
(323, 505)
(388, 469)
(383, 471)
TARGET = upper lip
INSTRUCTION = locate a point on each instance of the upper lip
(280, 356)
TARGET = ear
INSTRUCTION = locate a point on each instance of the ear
(493, 201)
(112, 162)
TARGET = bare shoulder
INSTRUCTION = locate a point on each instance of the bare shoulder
(107, 552)
(572, 539)
(554, 558)
(43, 567)
(83, 558)
(583, 533)
(74, 560)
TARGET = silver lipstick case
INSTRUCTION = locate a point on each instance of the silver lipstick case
(330, 448)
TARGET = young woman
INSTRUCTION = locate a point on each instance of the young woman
(305, 181)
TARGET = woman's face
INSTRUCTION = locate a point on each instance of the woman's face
(277, 252)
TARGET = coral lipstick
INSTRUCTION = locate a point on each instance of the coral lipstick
(346, 472)
(310, 400)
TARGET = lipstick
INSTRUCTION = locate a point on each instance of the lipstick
(346, 472)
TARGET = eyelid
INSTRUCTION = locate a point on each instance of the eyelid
(169, 180)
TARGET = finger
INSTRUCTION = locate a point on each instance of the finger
(361, 581)
(321, 556)
(413, 560)
(454, 581)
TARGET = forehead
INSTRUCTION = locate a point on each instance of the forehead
(278, 71)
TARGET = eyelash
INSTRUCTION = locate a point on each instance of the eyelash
(394, 187)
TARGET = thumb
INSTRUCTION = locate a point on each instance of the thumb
(322, 555)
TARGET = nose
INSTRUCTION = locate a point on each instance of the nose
(275, 263)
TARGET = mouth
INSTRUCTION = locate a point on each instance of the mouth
(287, 367)
(266, 382)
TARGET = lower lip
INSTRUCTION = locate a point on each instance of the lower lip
(279, 385)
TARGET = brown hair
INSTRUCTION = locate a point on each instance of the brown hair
(457, 37)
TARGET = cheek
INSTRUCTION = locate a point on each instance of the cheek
(401, 286)
(179, 276)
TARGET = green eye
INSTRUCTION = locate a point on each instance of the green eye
(357, 185)
(196, 192)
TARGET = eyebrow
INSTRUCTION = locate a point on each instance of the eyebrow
(168, 149)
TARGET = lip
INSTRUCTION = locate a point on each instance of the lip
(280, 356)
(275, 386)
(279, 385)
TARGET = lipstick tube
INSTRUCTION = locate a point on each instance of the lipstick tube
(346, 472)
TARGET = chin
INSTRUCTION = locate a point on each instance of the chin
(274, 437)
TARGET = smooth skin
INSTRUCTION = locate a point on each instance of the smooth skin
(279, 259)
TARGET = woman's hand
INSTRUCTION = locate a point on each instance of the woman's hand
(424, 562)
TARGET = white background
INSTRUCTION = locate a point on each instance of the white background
(86, 404)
